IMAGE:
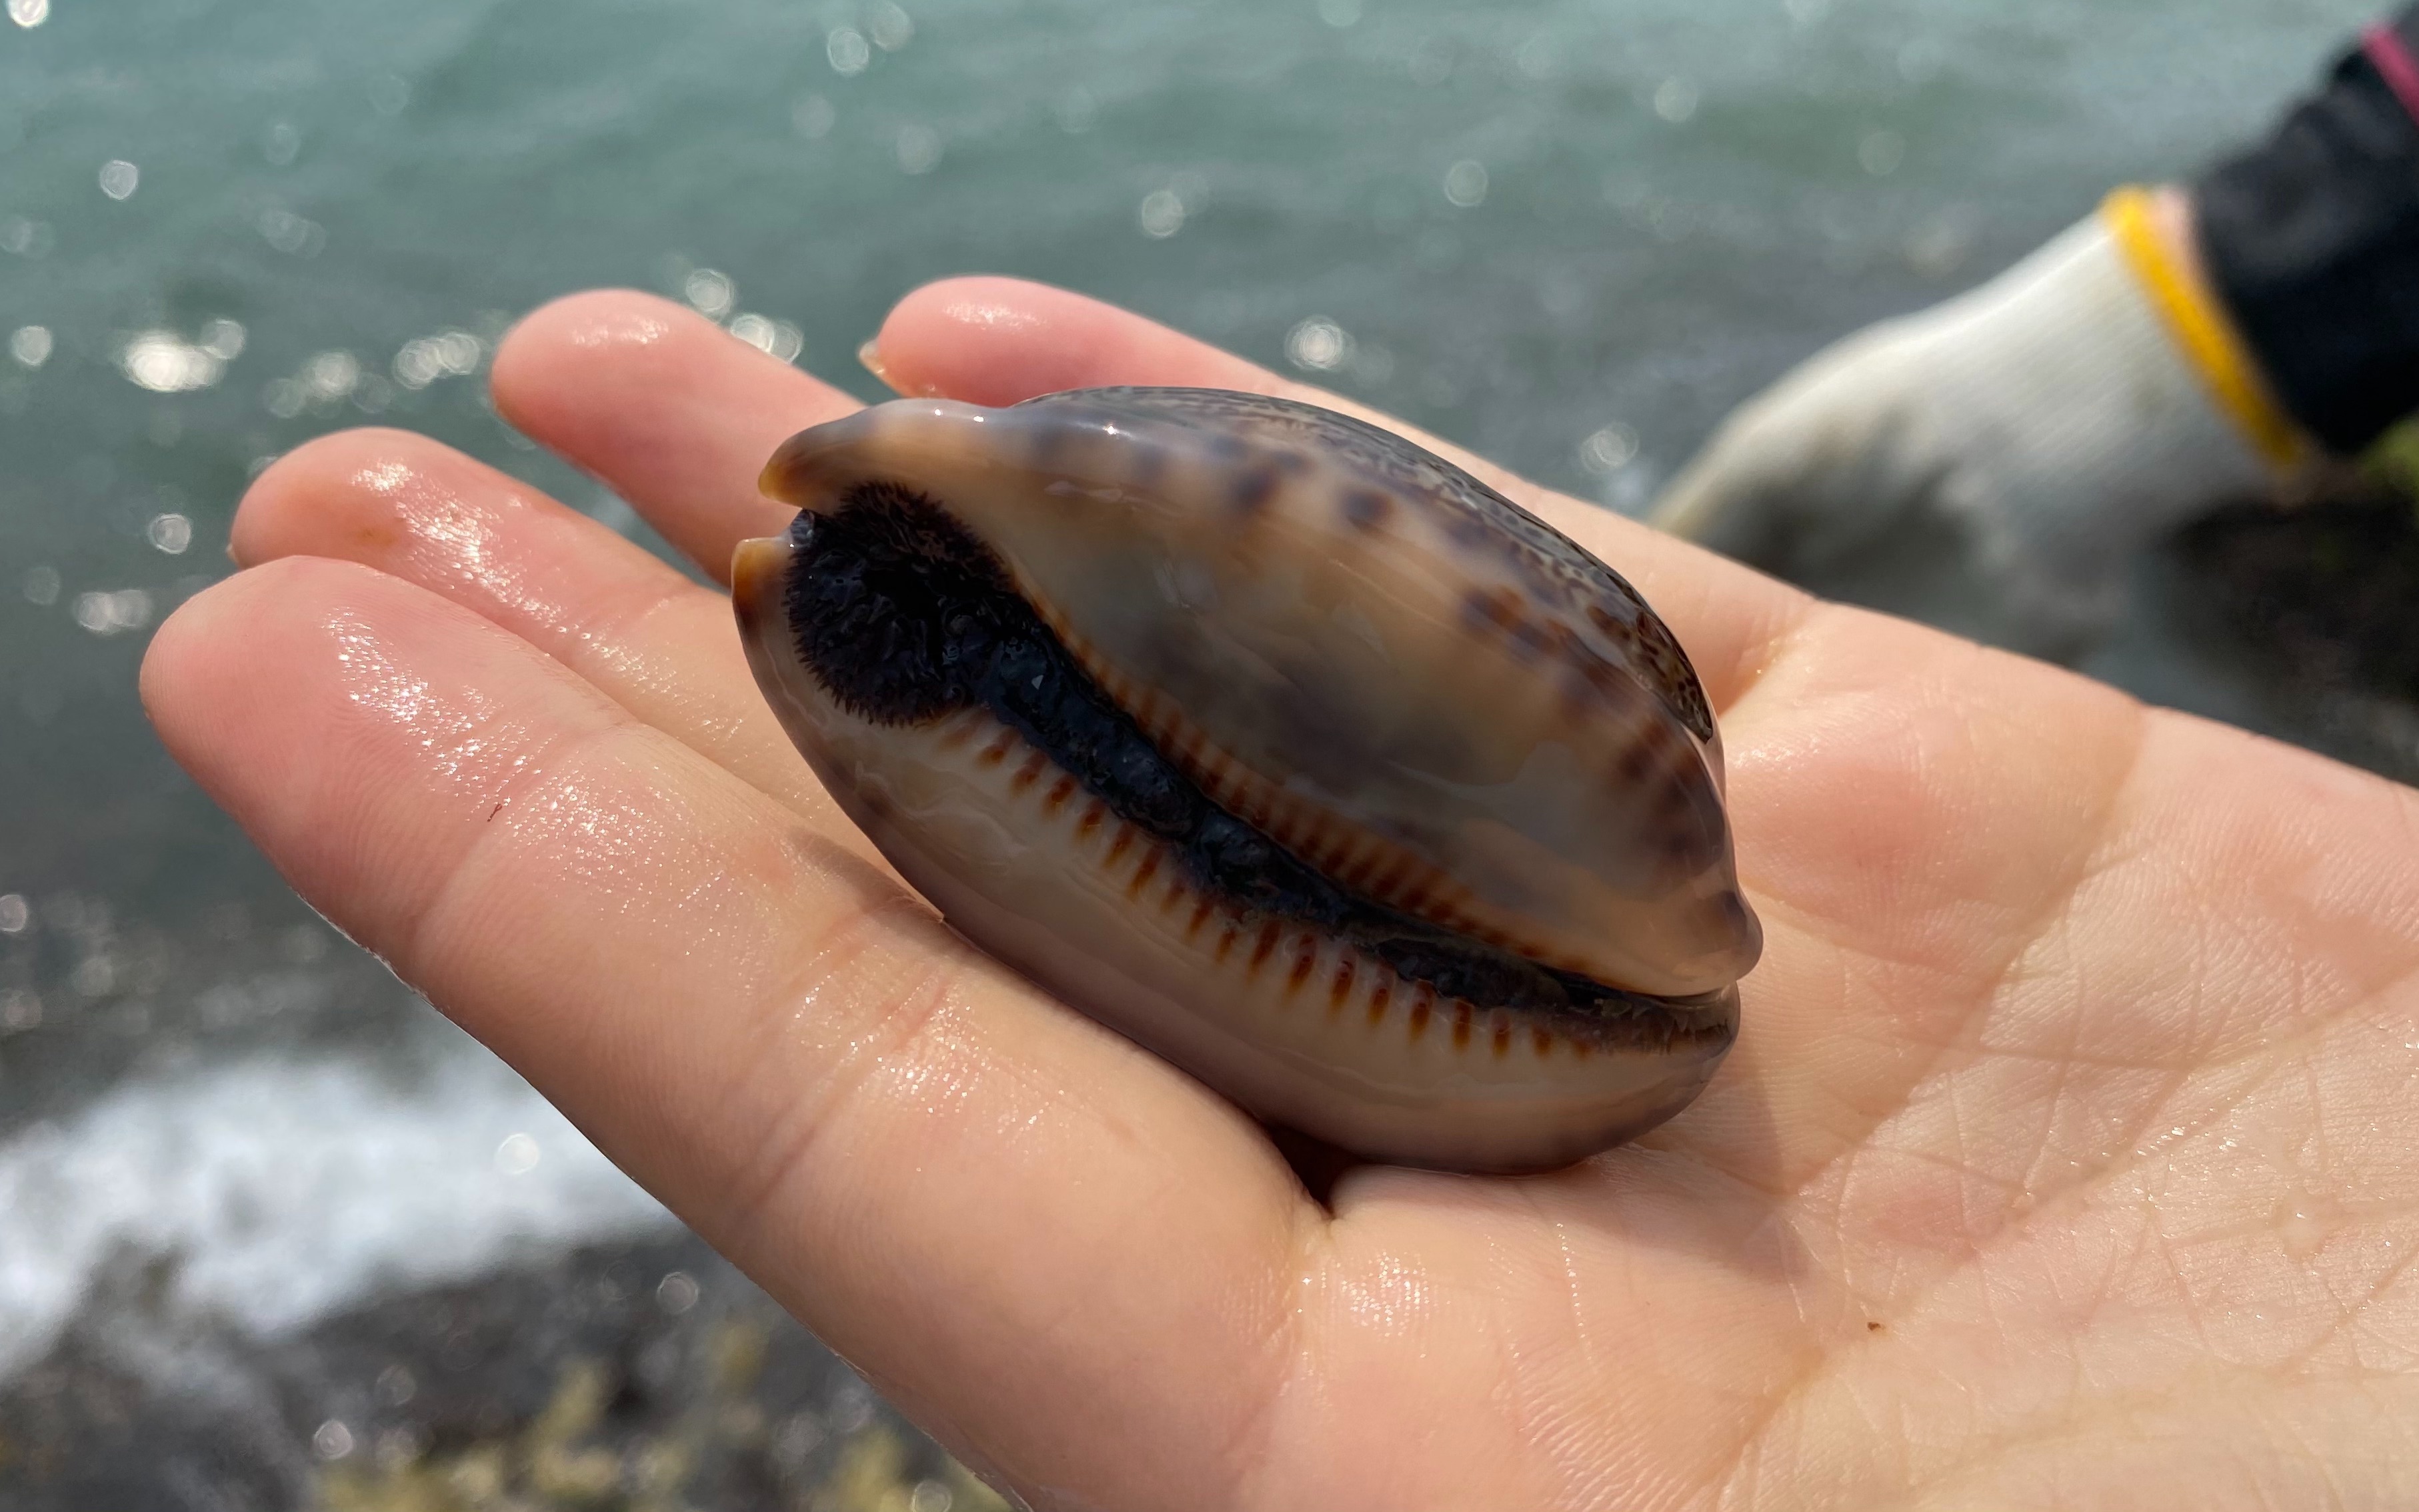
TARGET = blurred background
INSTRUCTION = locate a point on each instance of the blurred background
(271, 1234)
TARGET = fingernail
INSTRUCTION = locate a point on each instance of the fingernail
(870, 355)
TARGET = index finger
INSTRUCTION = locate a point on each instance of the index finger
(675, 414)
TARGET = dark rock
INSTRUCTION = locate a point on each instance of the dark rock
(633, 1375)
(2325, 601)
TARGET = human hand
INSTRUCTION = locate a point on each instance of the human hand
(2021, 442)
(2068, 1157)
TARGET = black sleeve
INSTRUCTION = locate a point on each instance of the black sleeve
(2312, 239)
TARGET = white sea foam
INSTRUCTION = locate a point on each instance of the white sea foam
(291, 1188)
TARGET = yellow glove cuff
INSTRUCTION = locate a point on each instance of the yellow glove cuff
(2203, 333)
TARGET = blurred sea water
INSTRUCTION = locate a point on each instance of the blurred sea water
(1568, 235)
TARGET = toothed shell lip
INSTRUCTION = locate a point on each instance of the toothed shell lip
(1427, 1100)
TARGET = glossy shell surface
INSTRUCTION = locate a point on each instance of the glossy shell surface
(1276, 743)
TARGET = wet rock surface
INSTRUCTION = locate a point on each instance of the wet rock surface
(2324, 601)
(649, 1376)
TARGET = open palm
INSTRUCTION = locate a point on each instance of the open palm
(2069, 1157)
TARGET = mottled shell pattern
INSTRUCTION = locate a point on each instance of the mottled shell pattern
(1276, 743)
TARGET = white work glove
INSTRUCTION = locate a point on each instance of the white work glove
(2043, 427)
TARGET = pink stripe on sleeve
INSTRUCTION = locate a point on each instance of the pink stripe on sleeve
(2394, 62)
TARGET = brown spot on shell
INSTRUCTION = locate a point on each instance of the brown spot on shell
(1143, 872)
(1675, 812)
(1201, 912)
(1121, 843)
(1621, 632)
(1492, 608)
(1366, 508)
(1503, 1035)
(1059, 792)
(1251, 491)
(1630, 768)
(1339, 990)
(1461, 1016)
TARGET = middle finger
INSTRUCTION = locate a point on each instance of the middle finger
(663, 648)
(672, 412)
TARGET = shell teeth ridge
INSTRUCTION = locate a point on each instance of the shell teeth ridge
(1277, 967)
(1331, 845)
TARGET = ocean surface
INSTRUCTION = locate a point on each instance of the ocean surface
(1570, 236)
